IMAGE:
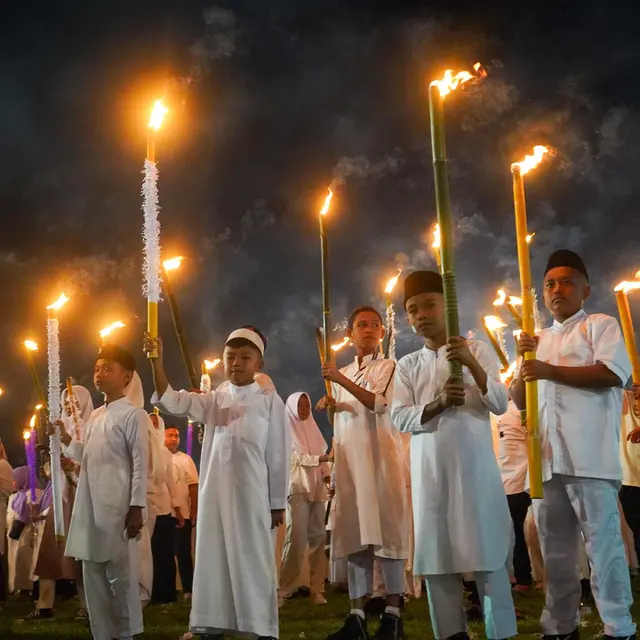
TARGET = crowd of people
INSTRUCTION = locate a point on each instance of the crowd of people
(424, 484)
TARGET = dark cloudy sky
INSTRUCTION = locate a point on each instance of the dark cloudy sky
(270, 102)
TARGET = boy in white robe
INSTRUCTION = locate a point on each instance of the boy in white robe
(371, 517)
(581, 364)
(243, 491)
(108, 509)
(461, 518)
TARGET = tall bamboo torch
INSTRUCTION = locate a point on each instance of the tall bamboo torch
(53, 351)
(167, 266)
(151, 227)
(626, 322)
(438, 90)
(518, 170)
(493, 325)
(390, 350)
(31, 347)
(326, 295)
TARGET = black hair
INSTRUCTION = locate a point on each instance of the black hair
(357, 311)
(118, 354)
(236, 343)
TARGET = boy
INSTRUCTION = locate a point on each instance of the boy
(581, 364)
(107, 513)
(461, 518)
(243, 491)
(371, 515)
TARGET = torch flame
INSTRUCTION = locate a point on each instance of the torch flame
(517, 333)
(532, 161)
(340, 345)
(173, 263)
(529, 237)
(392, 283)
(157, 115)
(26, 434)
(32, 422)
(58, 304)
(38, 407)
(436, 237)
(208, 364)
(30, 345)
(327, 203)
(627, 286)
(505, 375)
(451, 81)
(1, 391)
(493, 323)
(500, 300)
(110, 328)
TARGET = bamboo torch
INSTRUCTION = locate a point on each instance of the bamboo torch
(493, 324)
(626, 322)
(53, 344)
(511, 303)
(438, 90)
(326, 296)
(167, 266)
(518, 170)
(30, 347)
(151, 228)
(29, 436)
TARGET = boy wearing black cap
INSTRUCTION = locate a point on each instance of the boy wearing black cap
(581, 364)
(243, 490)
(107, 514)
(461, 518)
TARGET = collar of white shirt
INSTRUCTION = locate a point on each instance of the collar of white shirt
(367, 359)
(569, 321)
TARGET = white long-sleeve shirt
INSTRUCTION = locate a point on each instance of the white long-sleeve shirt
(163, 494)
(113, 477)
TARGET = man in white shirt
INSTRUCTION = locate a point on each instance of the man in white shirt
(186, 483)
(581, 364)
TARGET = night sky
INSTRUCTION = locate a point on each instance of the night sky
(270, 103)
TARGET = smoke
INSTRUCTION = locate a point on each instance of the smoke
(361, 168)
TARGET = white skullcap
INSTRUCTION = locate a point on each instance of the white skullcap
(247, 334)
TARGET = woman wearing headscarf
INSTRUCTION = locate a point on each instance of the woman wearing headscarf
(20, 532)
(309, 474)
(76, 411)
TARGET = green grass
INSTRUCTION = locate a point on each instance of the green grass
(299, 620)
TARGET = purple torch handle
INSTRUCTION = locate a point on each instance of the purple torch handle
(30, 446)
(189, 439)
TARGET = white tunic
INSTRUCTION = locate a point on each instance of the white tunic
(371, 501)
(113, 477)
(580, 428)
(185, 474)
(460, 511)
(243, 476)
(512, 450)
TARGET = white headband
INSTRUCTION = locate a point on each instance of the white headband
(249, 335)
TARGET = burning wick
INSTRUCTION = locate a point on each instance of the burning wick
(173, 263)
(340, 345)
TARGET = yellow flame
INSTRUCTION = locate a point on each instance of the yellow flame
(340, 345)
(437, 241)
(493, 323)
(211, 364)
(172, 263)
(392, 283)
(517, 333)
(505, 375)
(59, 303)
(30, 345)
(500, 300)
(32, 422)
(38, 407)
(627, 286)
(529, 237)
(157, 115)
(1, 391)
(451, 81)
(516, 302)
(327, 203)
(26, 434)
(110, 328)
(532, 161)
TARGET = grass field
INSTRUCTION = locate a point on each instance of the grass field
(300, 620)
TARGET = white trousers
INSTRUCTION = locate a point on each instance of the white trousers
(113, 596)
(305, 529)
(446, 604)
(360, 571)
(589, 505)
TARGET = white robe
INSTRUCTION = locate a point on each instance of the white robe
(371, 501)
(243, 476)
(461, 518)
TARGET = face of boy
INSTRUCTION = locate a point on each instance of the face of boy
(241, 364)
(367, 331)
(110, 377)
(425, 313)
(304, 407)
(565, 291)
(172, 439)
